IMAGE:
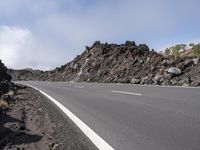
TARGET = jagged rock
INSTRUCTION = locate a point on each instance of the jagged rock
(185, 80)
(112, 63)
(5, 78)
(147, 80)
(148, 59)
(196, 60)
(158, 77)
(166, 82)
(124, 80)
(174, 81)
(3, 73)
(130, 43)
(174, 71)
(143, 47)
(5, 86)
(185, 85)
(195, 84)
(188, 62)
(168, 76)
(165, 62)
(135, 81)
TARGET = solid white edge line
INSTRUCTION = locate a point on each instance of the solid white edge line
(94, 137)
(129, 93)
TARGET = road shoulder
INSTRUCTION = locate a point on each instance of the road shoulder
(35, 123)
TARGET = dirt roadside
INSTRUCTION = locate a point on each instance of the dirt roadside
(34, 123)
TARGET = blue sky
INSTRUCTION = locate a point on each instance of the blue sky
(48, 33)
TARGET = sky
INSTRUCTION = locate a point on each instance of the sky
(44, 34)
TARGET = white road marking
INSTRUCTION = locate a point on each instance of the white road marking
(100, 143)
(81, 87)
(129, 93)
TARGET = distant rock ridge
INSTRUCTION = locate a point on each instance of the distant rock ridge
(121, 63)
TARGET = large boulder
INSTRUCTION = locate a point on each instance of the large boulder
(174, 71)
(135, 81)
(143, 47)
(196, 61)
(165, 62)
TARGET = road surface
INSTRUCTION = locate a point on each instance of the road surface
(131, 117)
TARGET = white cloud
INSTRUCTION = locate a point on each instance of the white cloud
(52, 32)
(19, 49)
(14, 44)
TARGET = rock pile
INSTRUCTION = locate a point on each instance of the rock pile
(124, 63)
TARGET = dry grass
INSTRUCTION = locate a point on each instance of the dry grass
(3, 104)
(10, 93)
(186, 53)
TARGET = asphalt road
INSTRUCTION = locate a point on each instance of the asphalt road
(131, 117)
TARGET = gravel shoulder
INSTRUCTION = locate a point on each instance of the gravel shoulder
(35, 123)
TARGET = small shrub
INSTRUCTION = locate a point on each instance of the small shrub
(167, 52)
(3, 107)
(10, 93)
(175, 50)
(196, 50)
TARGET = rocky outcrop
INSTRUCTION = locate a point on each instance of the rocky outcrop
(5, 79)
(174, 71)
(124, 63)
(5, 87)
(4, 76)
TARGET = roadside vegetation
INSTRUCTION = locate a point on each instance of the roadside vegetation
(182, 50)
(195, 49)
(3, 107)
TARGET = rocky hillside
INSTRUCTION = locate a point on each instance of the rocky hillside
(5, 79)
(125, 63)
(5, 87)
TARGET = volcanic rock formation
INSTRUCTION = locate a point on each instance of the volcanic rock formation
(125, 63)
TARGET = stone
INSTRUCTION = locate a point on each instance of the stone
(174, 71)
(188, 62)
(174, 81)
(196, 61)
(147, 80)
(130, 43)
(167, 76)
(141, 61)
(165, 62)
(184, 81)
(148, 60)
(185, 85)
(135, 81)
(143, 47)
(158, 77)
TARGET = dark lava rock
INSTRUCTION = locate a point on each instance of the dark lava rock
(5, 86)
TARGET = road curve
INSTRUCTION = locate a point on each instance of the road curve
(131, 117)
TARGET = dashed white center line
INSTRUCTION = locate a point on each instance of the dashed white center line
(128, 93)
(81, 87)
